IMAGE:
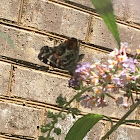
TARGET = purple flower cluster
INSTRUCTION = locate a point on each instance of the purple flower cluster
(119, 73)
(90, 102)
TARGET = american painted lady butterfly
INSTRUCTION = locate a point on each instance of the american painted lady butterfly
(64, 56)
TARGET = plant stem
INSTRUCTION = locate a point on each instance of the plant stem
(121, 120)
(66, 105)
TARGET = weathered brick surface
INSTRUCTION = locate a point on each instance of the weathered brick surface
(95, 133)
(3, 138)
(83, 2)
(126, 132)
(127, 10)
(9, 138)
(4, 77)
(9, 9)
(52, 17)
(100, 35)
(46, 88)
(91, 55)
(43, 87)
(19, 120)
(27, 44)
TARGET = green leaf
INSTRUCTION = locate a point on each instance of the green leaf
(73, 111)
(57, 131)
(61, 100)
(50, 114)
(82, 126)
(105, 10)
(41, 138)
(62, 116)
(48, 125)
(50, 138)
(44, 129)
(8, 39)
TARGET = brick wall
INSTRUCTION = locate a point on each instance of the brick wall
(28, 88)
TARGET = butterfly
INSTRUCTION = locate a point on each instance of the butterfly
(64, 56)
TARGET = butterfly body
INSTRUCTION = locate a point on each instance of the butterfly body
(64, 56)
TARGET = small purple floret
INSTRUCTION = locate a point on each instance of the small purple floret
(117, 81)
(130, 63)
(82, 67)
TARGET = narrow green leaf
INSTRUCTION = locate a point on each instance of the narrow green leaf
(105, 10)
(82, 126)
(8, 39)
(109, 120)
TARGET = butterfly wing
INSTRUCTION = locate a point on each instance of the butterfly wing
(64, 56)
(46, 55)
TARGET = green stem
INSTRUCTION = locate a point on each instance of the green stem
(66, 105)
(121, 121)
